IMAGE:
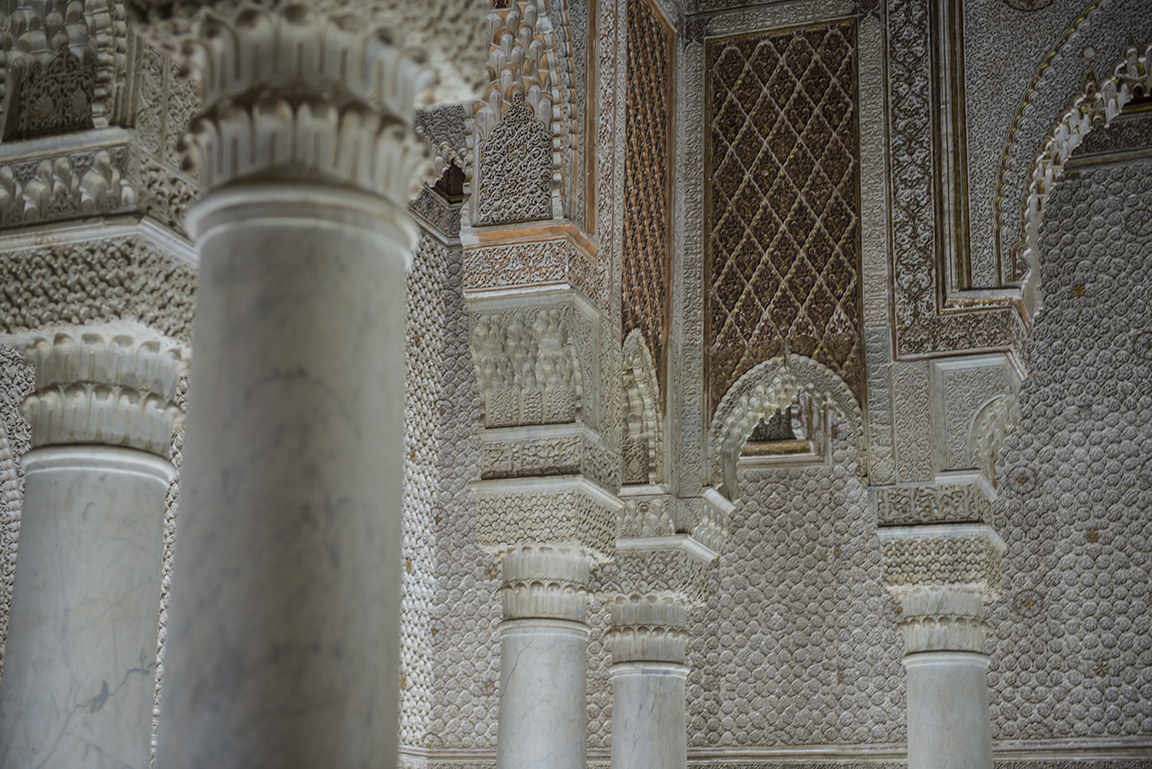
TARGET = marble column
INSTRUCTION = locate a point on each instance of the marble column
(543, 658)
(649, 643)
(80, 662)
(657, 577)
(943, 575)
(283, 634)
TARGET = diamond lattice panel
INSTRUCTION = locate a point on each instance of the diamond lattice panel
(645, 278)
(783, 202)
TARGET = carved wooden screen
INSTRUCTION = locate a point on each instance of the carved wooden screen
(782, 203)
(647, 180)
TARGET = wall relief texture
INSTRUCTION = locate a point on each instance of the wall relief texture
(782, 204)
(1072, 655)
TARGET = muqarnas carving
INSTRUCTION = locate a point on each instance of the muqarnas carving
(783, 232)
(646, 181)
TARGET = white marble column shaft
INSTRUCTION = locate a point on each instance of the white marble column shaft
(543, 660)
(80, 663)
(283, 638)
(948, 716)
(649, 653)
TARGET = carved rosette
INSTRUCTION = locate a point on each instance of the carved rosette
(95, 386)
(942, 575)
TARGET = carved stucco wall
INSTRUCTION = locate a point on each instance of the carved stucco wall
(1072, 654)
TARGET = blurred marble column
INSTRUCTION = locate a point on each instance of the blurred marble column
(80, 660)
(943, 575)
(283, 637)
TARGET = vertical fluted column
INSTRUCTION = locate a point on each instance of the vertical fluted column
(942, 575)
(283, 634)
(81, 649)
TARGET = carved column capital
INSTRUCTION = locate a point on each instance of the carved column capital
(543, 582)
(323, 92)
(102, 386)
(942, 575)
(649, 628)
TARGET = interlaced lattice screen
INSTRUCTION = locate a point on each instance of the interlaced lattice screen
(783, 201)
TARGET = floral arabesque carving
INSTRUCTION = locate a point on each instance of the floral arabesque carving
(757, 395)
(62, 66)
(642, 447)
(1099, 103)
(523, 123)
(528, 367)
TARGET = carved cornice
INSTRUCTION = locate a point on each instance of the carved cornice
(564, 511)
(543, 582)
(773, 385)
(676, 565)
(533, 257)
(97, 386)
(324, 92)
(547, 450)
(955, 498)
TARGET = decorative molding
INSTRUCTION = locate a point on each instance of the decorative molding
(529, 369)
(773, 385)
(89, 181)
(956, 556)
(549, 450)
(1099, 103)
(969, 502)
(100, 386)
(537, 257)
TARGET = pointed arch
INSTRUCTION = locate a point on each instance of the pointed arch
(1098, 103)
(773, 385)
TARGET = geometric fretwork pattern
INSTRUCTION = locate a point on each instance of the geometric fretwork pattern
(646, 185)
(783, 203)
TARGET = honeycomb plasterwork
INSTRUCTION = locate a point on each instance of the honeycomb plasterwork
(647, 175)
(1095, 41)
(783, 201)
(1073, 649)
(523, 124)
(1100, 102)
